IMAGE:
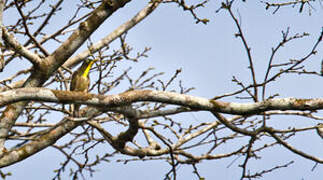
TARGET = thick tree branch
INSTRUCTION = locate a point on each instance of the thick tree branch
(126, 98)
(19, 48)
(33, 147)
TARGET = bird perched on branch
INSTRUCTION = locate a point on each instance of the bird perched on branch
(81, 80)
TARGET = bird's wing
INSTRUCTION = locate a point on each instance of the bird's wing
(73, 82)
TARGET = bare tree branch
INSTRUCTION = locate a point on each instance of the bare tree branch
(126, 98)
(32, 57)
(115, 34)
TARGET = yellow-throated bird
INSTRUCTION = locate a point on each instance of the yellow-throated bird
(81, 80)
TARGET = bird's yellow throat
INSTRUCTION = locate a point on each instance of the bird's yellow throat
(87, 70)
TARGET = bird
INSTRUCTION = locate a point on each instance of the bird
(80, 81)
(319, 129)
